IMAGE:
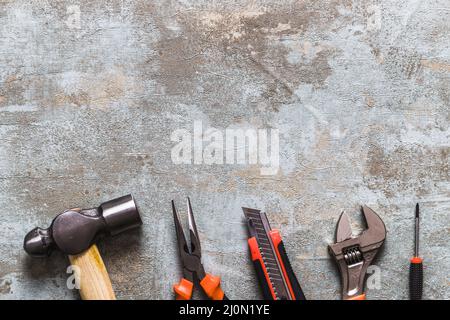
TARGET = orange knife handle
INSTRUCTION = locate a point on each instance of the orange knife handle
(183, 290)
(293, 285)
(261, 271)
(211, 286)
(360, 297)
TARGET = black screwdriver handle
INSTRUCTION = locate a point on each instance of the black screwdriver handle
(416, 278)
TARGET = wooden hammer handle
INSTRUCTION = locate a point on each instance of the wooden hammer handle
(93, 276)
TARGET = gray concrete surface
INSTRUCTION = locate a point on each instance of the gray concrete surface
(358, 89)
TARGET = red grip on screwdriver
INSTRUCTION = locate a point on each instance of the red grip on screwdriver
(416, 278)
(416, 264)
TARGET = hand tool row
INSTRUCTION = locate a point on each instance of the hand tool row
(75, 232)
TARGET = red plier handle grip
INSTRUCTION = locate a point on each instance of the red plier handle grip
(210, 284)
(183, 290)
(360, 297)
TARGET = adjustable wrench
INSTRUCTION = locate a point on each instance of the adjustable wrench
(354, 254)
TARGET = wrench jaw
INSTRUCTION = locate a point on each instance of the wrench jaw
(375, 234)
(355, 254)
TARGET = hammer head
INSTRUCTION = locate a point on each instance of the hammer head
(75, 230)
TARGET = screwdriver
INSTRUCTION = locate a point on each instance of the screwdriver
(416, 266)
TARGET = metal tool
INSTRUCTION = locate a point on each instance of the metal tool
(272, 265)
(75, 232)
(416, 265)
(354, 254)
(191, 260)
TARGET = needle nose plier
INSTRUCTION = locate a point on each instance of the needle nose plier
(191, 261)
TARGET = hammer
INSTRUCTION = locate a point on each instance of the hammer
(75, 231)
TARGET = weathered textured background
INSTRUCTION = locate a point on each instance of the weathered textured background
(358, 89)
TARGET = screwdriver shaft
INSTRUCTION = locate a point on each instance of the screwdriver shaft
(416, 236)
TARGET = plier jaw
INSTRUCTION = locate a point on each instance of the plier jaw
(355, 254)
(191, 255)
